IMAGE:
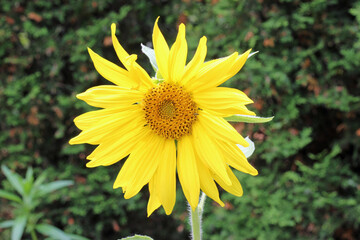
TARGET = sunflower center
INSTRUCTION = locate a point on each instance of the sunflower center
(169, 110)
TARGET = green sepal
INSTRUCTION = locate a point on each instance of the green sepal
(248, 119)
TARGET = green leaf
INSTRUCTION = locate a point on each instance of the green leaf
(150, 53)
(14, 179)
(7, 224)
(24, 40)
(248, 119)
(29, 175)
(137, 237)
(40, 179)
(18, 227)
(76, 237)
(51, 231)
(10, 196)
(53, 186)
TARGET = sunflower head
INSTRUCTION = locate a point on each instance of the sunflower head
(172, 125)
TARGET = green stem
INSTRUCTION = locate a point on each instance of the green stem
(195, 218)
(33, 235)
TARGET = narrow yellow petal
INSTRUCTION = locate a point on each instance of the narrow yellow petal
(196, 62)
(187, 171)
(141, 165)
(177, 56)
(235, 187)
(111, 72)
(108, 96)
(211, 73)
(87, 120)
(143, 78)
(105, 126)
(221, 96)
(154, 202)
(161, 50)
(220, 129)
(207, 183)
(239, 63)
(165, 177)
(216, 72)
(208, 152)
(120, 51)
(236, 158)
(117, 147)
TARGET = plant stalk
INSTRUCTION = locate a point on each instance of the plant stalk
(196, 217)
(33, 235)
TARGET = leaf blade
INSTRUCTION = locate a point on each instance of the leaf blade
(14, 179)
(53, 186)
(248, 119)
(18, 227)
(52, 231)
(10, 196)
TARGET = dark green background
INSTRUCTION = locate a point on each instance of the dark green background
(306, 75)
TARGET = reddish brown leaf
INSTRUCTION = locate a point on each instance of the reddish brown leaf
(115, 226)
(269, 42)
(107, 41)
(358, 132)
(34, 16)
(9, 20)
(248, 36)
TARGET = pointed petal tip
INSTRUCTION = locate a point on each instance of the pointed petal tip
(80, 96)
(220, 203)
(72, 142)
(113, 28)
(168, 211)
(203, 39)
(254, 172)
(91, 164)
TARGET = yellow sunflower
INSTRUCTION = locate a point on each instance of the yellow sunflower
(172, 123)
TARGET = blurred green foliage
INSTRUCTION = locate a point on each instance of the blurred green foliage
(28, 217)
(306, 75)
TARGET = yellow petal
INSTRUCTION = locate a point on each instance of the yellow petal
(235, 187)
(207, 183)
(87, 120)
(108, 96)
(177, 56)
(141, 165)
(221, 96)
(210, 72)
(165, 177)
(161, 50)
(118, 146)
(196, 62)
(236, 158)
(104, 127)
(219, 129)
(187, 171)
(208, 152)
(141, 76)
(154, 202)
(111, 72)
(136, 72)
(239, 63)
(120, 51)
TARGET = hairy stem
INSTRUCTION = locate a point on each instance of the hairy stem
(196, 217)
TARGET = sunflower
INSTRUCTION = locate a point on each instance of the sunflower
(174, 123)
